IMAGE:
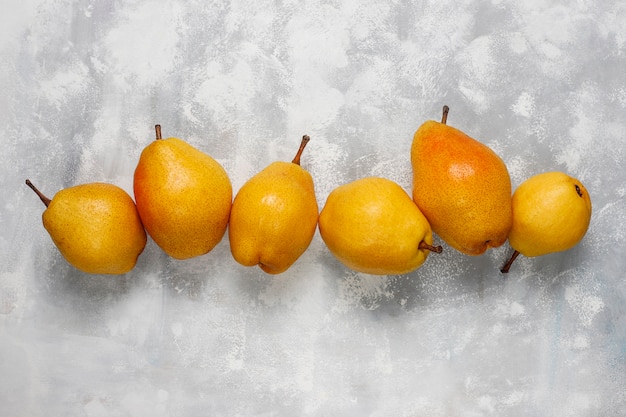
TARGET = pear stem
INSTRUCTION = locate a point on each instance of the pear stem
(424, 245)
(444, 116)
(507, 266)
(157, 129)
(43, 198)
(305, 140)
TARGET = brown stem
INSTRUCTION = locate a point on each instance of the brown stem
(424, 245)
(444, 116)
(43, 198)
(157, 129)
(507, 266)
(305, 140)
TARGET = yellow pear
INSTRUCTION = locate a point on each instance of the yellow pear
(551, 213)
(462, 187)
(371, 225)
(95, 227)
(183, 197)
(274, 216)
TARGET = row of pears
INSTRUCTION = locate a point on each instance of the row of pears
(184, 201)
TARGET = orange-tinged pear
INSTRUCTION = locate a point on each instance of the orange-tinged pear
(461, 186)
(183, 197)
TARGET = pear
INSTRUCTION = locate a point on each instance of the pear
(95, 227)
(183, 197)
(371, 225)
(462, 187)
(551, 213)
(274, 216)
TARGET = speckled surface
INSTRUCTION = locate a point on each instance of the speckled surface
(83, 83)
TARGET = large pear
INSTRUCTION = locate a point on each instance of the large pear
(95, 227)
(462, 187)
(183, 197)
(371, 225)
(274, 216)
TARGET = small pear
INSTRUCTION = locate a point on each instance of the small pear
(551, 213)
(371, 225)
(183, 197)
(462, 187)
(95, 227)
(274, 216)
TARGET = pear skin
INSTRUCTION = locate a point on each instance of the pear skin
(274, 216)
(551, 213)
(461, 186)
(372, 226)
(183, 197)
(95, 226)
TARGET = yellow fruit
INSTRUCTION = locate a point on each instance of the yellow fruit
(371, 225)
(274, 216)
(95, 227)
(183, 197)
(461, 186)
(551, 213)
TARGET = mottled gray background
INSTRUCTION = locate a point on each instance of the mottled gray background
(82, 84)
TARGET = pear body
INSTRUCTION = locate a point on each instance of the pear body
(462, 187)
(96, 228)
(183, 197)
(551, 213)
(273, 217)
(371, 225)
